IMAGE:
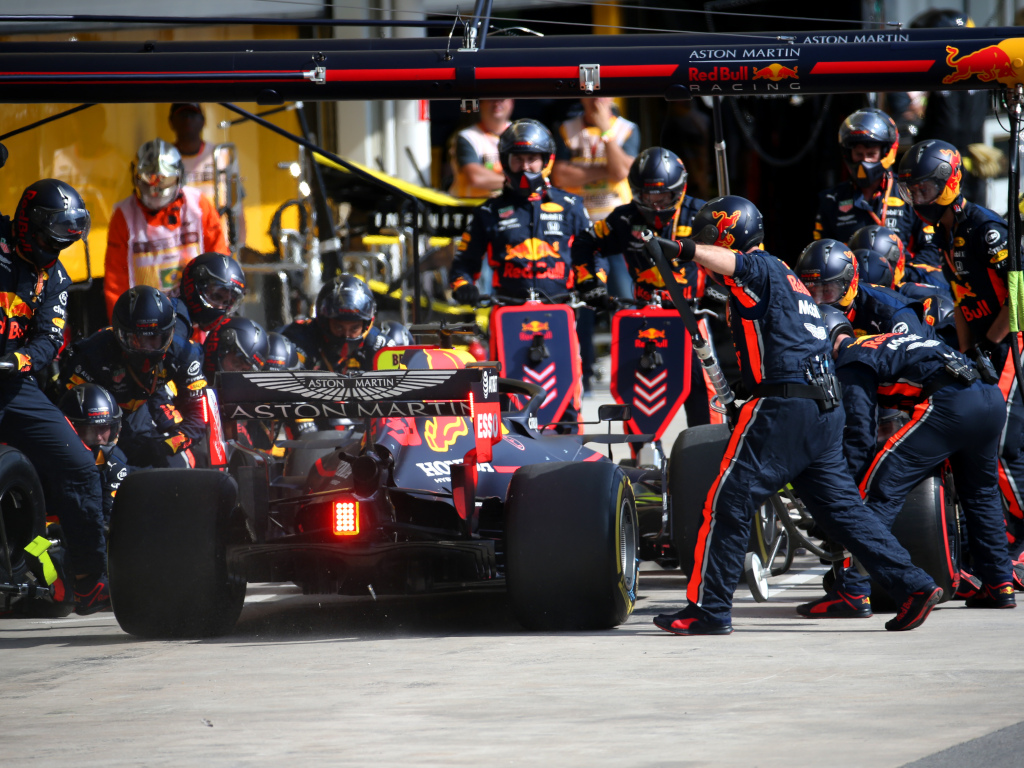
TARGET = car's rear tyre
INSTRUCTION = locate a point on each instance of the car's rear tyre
(167, 554)
(23, 512)
(692, 468)
(924, 527)
(571, 545)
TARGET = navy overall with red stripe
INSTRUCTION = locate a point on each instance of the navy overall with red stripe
(781, 437)
(954, 415)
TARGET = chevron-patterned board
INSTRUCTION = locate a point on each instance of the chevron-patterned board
(656, 393)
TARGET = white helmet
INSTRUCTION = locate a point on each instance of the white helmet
(157, 174)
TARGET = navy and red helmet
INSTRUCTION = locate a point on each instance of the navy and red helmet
(930, 178)
(657, 179)
(94, 414)
(731, 222)
(874, 269)
(883, 242)
(143, 323)
(871, 127)
(238, 344)
(829, 271)
(49, 217)
(282, 354)
(212, 287)
(525, 137)
(346, 297)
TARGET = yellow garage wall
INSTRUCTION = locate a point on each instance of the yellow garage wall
(103, 139)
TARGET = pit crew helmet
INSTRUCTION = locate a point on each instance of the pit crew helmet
(143, 323)
(346, 297)
(95, 415)
(157, 174)
(657, 179)
(871, 127)
(212, 286)
(874, 269)
(836, 323)
(731, 222)
(526, 137)
(829, 271)
(238, 344)
(883, 241)
(49, 217)
(929, 178)
(282, 354)
(397, 335)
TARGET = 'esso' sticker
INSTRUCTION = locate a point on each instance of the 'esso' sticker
(194, 368)
(488, 425)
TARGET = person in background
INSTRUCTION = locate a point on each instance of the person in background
(474, 151)
(159, 228)
(201, 164)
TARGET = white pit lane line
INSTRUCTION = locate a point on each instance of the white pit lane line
(784, 583)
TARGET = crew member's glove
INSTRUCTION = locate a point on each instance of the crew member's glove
(467, 294)
(681, 251)
(985, 367)
(595, 293)
(11, 364)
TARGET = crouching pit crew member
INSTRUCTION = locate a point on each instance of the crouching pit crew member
(953, 415)
(789, 431)
(96, 417)
(33, 311)
(136, 360)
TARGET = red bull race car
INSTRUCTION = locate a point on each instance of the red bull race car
(450, 487)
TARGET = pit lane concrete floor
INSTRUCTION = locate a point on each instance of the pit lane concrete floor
(453, 680)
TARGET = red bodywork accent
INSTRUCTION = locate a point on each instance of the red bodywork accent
(558, 73)
(870, 67)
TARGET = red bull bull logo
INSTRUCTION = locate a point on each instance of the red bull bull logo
(651, 335)
(725, 222)
(961, 292)
(532, 328)
(993, 62)
(775, 72)
(953, 183)
(441, 432)
(532, 249)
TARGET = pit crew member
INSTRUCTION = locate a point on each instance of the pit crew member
(49, 217)
(973, 240)
(657, 179)
(828, 269)
(341, 335)
(212, 289)
(160, 227)
(868, 141)
(96, 417)
(953, 415)
(790, 430)
(155, 376)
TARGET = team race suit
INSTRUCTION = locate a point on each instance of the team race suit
(877, 309)
(159, 426)
(976, 253)
(33, 314)
(621, 233)
(786, 432)
(527, 243)
(953, 415)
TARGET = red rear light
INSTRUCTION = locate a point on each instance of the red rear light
(346, 518)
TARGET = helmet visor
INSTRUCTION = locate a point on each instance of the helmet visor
(236, 361)
(657, 199)
(157, 190)
(220, 296)
(146, 342)
(827, 291)
(97, 435)
(59, 228)
(923, 191)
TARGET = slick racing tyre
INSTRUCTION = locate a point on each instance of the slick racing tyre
(571, 545)
(928, 530)
(22, 512)
(167, 554)
(692, 468)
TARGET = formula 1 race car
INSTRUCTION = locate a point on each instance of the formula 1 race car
(450, 488)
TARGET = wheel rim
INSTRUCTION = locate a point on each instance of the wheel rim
(627, 544)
